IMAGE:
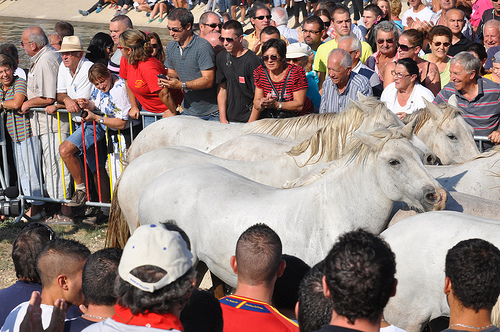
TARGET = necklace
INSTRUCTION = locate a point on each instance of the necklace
(472, 327)
(96, 317)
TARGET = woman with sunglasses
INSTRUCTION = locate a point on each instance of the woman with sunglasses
(386, 34)
(140, 71)
(280, 87)
(439, 42)
(158, 51)
(409, 46)
(404, 95)
(324, 15)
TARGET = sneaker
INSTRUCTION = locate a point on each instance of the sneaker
(147, 15)
(79, 198)
(118, 12)
(83, 12)
(150, 20)
(98, 10)
(160, 20)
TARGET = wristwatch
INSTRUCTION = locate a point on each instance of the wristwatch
(279, 106)
(101, 121)
(184, 86)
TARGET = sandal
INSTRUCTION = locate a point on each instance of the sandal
(60, 219)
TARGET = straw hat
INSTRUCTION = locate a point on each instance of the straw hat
(71, 44)
(298, 50)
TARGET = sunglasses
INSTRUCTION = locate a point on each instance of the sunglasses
(272, 57)
(229, 40)
(260, 18)
(405, 48)
(154, 45)
(327, 24)
(174, 29)
(494, 0)
(437, 44)
(52, 234)
(388, 41)
(213, 25)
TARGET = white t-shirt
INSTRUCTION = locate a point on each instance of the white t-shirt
(16, 316)
(391, 328)
(77, 86)
(423, 15)
(114, 103)
(415, 102)
(109, 325)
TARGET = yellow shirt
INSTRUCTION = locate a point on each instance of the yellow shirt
(321, 58)
(250, 40)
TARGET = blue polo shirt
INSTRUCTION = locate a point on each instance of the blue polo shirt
(188, 62)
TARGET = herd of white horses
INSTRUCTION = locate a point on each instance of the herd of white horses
(313, 178)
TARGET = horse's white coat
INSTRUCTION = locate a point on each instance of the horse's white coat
(420, 244)
(214, 206)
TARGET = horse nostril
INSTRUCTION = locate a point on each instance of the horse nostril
(430, 160)
(431, 197)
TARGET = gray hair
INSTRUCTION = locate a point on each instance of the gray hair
(492, 24)
(346, 60)
(51, 33)
(205, 15)
(279, 16)
(355, 42)
(468, 62)
(38, 37)
(386, 26)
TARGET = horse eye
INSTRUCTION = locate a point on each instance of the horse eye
(452, 137)
(394, 162)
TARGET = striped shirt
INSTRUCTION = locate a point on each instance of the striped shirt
(22, 125)
(333, 102)
(483, 112)
(296, 82)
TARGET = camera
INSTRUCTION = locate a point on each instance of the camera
(10, 208)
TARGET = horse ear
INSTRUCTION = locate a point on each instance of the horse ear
(360, 105)
(453, 101)
(409, 128)
(435, 111)
(361, 96)
(371, 141)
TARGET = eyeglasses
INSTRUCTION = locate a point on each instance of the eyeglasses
(23, 43)
(398, 75)
(213, 25)
(494, 0)
(52, 234)
(175, 29)
(310, 31)
(229, 40)
(405, 48)
(260, 18)
(270, 57)
(154, 45)
(437, 44)
(388, 41)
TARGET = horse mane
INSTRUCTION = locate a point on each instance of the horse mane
(284, 127)
(424, 114)
(355, 151)
(330, 139)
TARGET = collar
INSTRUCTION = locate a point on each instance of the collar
(190, 44)
(149, 319)
(42, 51)
(351, 76)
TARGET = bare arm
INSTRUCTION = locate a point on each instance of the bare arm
(433, 80)
(321, 77)
(134, 110)
(258, 97)
(388, 78)
(167, 99)
(15, 103)
(222, 102)
(36, 102)
(206, 81)
(89, 105)
(296, 105)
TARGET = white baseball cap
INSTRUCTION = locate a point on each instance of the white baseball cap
(155, 245)
(297, 50)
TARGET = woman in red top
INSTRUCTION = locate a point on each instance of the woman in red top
(140, 71)
(280, 87)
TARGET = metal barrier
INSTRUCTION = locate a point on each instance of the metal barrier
(480, 140)
(56, 182)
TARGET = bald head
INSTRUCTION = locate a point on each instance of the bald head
(213, 39)
(33, 40)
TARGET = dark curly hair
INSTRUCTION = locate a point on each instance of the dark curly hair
(473, 267)
(359, 273)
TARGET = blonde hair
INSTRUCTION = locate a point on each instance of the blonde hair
(139, 43)
(389, 12)
(395, 7)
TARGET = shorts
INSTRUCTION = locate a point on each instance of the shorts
(76, 139)
(237, 3)
(277, 3)
(265, 1)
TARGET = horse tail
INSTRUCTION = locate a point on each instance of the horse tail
(118, 230)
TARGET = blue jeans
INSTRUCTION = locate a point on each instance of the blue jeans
(225, 5)
(209, 117)
(148, 120)
(76, 139)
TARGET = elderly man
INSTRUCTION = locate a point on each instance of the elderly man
(191, 67)
(249, 309)
(352, 45)
(342, 84)
(280, 17)
(312, 30)
(491, 34)
(209, 22)
(117, 25)
(73, 83)
(234, 76)
(478, 97)
(359, 278)
(42, 80)
(341, 21)
(455, 20)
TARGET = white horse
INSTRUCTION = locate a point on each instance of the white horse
(479, 176)
(420, 244)
(214, 206)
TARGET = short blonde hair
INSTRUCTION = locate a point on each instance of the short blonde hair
(395, 7)
(139, 43)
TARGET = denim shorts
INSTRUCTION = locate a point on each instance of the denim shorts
(76, 139)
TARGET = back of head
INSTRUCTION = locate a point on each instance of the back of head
(315, 310)
(10, 49)
(279, 16)
(286, 288)
(359, 272)
(64, 28)
(270, 30)
(473, 267)
(202, 313)
(328, 5)
(125, 20)
(26, 247)
(98, 46)
(61, 257)
(139, 44)
(415, 37)
(258, 255)
(99, 276)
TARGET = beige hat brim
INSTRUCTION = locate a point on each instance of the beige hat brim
(71, 50)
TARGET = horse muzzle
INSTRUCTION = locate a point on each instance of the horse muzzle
(434, 198)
